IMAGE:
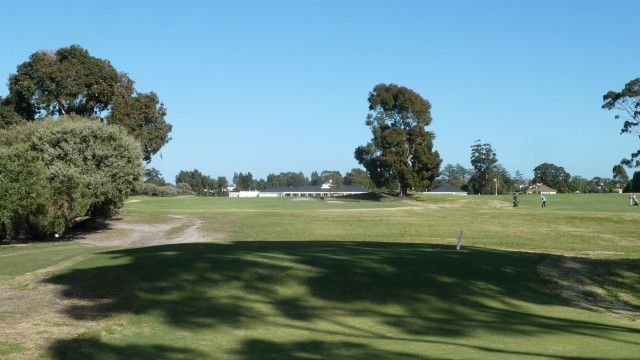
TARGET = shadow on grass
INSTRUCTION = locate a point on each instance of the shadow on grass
(91, 348)
(414, 293)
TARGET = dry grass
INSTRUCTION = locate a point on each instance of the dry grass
(34, 314)
(586, 283)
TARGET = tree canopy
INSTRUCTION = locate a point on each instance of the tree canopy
(484, 163)
(71, 81)
(628, 102)
(553, 176)
(400, 152)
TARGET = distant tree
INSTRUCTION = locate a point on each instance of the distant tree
(358, 177)
(504, 181)
(518, 176)
(598, 184)
(199, 183)
(333, 178)
(153, 176)
(316, 179)
(620, 175)
(579, 184)
(553, 176)
(401, 149)
(287, 179)
(484, 162)
(635, 182)
(222, 185)
(244, 181)
(451, 171)
(628, 102)
(71, 81)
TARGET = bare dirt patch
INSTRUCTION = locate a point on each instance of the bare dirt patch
(122, 233)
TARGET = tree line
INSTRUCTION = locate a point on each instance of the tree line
(197, 183)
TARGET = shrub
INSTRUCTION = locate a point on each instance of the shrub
(90, 167)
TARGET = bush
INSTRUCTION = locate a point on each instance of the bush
(24, 187)
(90, 167)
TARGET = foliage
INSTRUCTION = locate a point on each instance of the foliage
(202, 184)
(635, 182)
(154, 176)
(24, 186)
(553, 176)
(71, 81)
(244, 181)
(484, 163)
(401, 149)
(168, 190)
(628, 102)
(620, 175)
(90, 169)
(287, 179)
(358, 177)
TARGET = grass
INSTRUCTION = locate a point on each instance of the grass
(342, 280)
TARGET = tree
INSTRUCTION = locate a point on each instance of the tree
(620, 175)
(358, 177)
(287, 179)
(153, 176)
(635, 182)
(244, 181)
(198, 182)
(553, 176)
(71, 81)
(628, 102)
(484, 161)
(401, 149)
(579, 184)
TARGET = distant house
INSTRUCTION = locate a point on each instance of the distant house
(541, 189)
(447, 189)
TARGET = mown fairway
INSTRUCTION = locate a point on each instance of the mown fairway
(320, 279)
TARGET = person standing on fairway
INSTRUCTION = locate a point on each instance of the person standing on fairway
(544, 201)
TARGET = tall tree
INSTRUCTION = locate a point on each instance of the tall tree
(484, 161)
(401, 149)
(620, 175)
(553, 176)
(71, 81)
(628, 102)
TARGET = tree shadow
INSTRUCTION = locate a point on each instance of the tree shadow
(92, 348)
(415, 292)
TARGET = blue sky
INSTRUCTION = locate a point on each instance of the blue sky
(273, 86)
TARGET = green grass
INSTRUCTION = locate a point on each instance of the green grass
(351, 280)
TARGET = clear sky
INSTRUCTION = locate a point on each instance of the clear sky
(275, 86)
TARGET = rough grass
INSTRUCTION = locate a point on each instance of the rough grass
(347, 279)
